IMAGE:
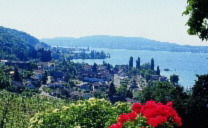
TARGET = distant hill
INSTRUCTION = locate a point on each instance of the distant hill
(25, 37)
(119, 42)
(17, 45)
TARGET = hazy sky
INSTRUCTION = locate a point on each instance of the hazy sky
(160, 20)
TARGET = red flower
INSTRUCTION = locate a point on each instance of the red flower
(170, 104)
(155, 113)
(153, 122)
(117, 125)
(178, 120)
(132, 115)
(122, 118)
(136, 107)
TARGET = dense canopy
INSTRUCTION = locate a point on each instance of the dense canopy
(198, 12)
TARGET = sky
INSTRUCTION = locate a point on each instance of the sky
(159, 20)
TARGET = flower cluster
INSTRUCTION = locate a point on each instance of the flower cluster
(92, 113)
(156, 114)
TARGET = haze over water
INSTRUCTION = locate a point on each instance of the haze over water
(184, 64)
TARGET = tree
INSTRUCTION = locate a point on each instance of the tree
(158, 91)
(147, 76)
(112, 89)
(131, 62)
(198, 104)
(4, 80)
(94, 67)
(138, 63)
(152, 64)
(121, 91)
(129, 94)
(108, 67)
(164, 92)
(45, 77)
(196, 108)
(67, 77)
(198, 12)
(158, 70)
(146, 66)
(16, 76)
(174, 78)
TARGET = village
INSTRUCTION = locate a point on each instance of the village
(75, 81)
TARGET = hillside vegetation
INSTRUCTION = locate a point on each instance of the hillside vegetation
(17, 45)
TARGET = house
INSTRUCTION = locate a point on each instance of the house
(123, 76)
(46, 66)
(20, 64)
(115, 99)
(101, 68)
(97, 85)
(58, 74)
(85, 86)
(77, 95)
(92, 79)
(95, 80)
(3, 62)
(122, 67)
(105, 75)
(57, 85)
(62, 91)
(35, 79)
(17, 85)
(162, 78)
(130, 100)
(133, 86)
(38, 74)
(51, 66)
(87, 67)
(29, 85)
(155, 77)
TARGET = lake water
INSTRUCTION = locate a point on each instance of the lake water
(184, 64)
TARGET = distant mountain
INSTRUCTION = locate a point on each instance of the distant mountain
(119, 42)
(17, 45)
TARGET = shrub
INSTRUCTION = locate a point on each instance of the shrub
(92, 113)
(149, 115)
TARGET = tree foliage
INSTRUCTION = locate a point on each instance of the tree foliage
(158, 70)
(112, 89)
(131, 62)
(4, 79)
(152, 64)
(16, 76)
(198, 104)
(158, 91)
(174, 78)
(16, 45)
(45, 78)
(198, 12)
(93, 113)
(138, 63)
(121, 91)
(94, 67)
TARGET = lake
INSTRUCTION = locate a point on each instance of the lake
(184, 64)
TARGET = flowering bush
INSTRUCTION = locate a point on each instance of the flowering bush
(149, 115)
(92, 113)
